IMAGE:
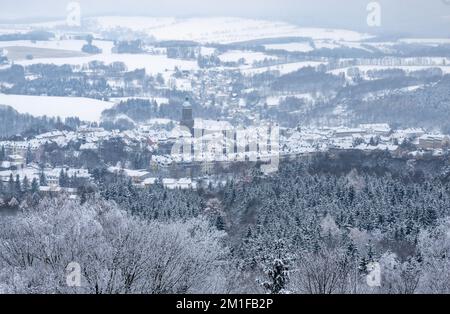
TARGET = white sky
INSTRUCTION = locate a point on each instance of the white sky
(420, 17)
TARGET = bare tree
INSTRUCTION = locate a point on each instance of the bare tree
(117, 252)
(325, 272)
(434, 246)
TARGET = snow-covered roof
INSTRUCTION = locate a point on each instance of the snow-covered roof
(187, 104)
(88, 146)
(434, 137)
(212, 125)
(129, 172)
(376, 127)
(179, 132)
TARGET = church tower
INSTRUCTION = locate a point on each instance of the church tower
(186, 116)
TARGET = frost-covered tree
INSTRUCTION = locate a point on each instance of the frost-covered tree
(278, 277)
(118, 253)
(324, 272)
(399, 277)
(434, 247)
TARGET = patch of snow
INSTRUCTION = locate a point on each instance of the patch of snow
(291, 47)
(220, 29)
(86, 109)
(73, 45)
(248, 56)
(153, 64)
(207, 51)
(282, 68)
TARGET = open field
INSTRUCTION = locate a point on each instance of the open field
(18, 53)
(153, 64)
(86, 109)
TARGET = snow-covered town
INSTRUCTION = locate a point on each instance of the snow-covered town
(210, 142)
(224, 147)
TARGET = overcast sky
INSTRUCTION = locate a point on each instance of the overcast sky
(419, 17)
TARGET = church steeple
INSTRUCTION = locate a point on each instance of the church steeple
(186, 116)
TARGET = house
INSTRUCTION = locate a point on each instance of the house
(137, 176)
(13, 162)
(20, 147)
(89, 146)
(52, 175)
(186, 183)
(381, 129)
(170, 183)
(30, 172)
(158, 161)
(55, 190)
(183, 183)
(433, 141)
(148, 182)
(203, 127)
(52, 178)
(349, 132)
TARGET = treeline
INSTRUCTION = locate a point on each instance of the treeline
(13, 123)
(137, 109)
(141, 110)
(302, 230)
(64, 80)
(16, 190)
(427, 107)
(33, 36)
(132, 46)
(307, 80)
(154, 203)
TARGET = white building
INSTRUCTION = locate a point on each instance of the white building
(376, 128)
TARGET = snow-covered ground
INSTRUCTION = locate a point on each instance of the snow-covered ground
(70, 44)
(248, 56)
(383, 93)
(326, 44)
(275, 100)
(213, 29)
(85, 108)
(153, 64)
(319, 44)
(365, 68)
(426, 41)
(207, 51)
(282, 68)
(292, 47)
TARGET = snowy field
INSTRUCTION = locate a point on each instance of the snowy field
(153, 64)
(282, 68)
(275, 100)
(221, 29)
(19, 53)
(248, 56)
(292, 47)
(426, 41)
(73, 45)
(319, 44)
(85, 108)
(364, 69)
(210, 30)
(61, 52)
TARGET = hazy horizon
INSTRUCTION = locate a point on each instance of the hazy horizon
(413, 17)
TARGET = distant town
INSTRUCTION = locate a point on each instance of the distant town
(26, 159)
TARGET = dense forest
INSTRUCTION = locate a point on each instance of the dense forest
(427, 107)
(24, 125)
(308, 229)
